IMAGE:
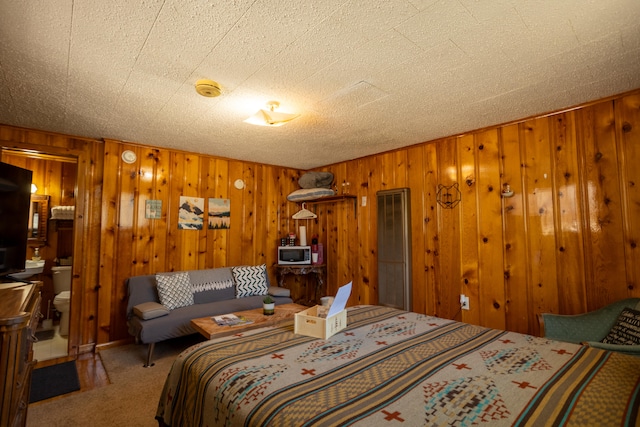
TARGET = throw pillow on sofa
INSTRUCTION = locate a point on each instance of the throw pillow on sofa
(174, 289)
(250, 280)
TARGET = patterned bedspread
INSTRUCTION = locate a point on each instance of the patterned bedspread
(392, 367)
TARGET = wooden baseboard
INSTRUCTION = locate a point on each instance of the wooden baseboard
(86, 348)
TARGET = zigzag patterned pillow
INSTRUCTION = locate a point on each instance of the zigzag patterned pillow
(250, 280)
(174, 289)
(626, 330)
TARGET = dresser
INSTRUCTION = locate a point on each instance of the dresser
(19, 314)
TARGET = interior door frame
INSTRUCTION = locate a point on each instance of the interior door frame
(79, 251)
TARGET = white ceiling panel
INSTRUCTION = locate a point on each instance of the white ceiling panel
(365, 76)
(438, 23)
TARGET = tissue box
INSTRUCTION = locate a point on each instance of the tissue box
(308, 323)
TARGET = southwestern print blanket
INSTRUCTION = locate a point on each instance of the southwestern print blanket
(391, 367)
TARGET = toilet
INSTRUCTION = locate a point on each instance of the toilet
(62, 289)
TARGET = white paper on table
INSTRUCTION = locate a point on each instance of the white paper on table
(340, 301)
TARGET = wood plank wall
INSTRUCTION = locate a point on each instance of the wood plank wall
(134, 245)
(566, 242)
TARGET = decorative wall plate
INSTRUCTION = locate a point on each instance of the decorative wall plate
(448, 197)
(239, 184)
(129, 156)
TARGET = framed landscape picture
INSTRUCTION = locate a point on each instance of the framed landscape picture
(191, 213)
(219, 214)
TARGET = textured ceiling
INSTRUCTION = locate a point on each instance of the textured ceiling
(365, 76)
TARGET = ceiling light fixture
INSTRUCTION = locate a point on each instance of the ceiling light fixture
(208, 88)
(270, 117)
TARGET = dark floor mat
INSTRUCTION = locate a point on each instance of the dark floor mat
(54, 380)
(45, 334)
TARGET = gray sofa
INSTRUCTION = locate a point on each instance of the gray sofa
(214, 292)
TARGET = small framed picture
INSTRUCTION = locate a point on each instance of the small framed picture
(153, 209)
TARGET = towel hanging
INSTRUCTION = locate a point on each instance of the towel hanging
(304, 213)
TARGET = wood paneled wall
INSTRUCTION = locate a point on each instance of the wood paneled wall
(134, 245)
(566, 242)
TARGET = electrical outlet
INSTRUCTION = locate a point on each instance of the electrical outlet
(364, 200)
(464, 302)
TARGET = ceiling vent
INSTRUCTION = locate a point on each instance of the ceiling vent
(208, 88)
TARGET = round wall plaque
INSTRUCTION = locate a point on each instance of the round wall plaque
(129, 156)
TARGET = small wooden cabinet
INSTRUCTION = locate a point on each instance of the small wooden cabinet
(319, 270)
(19, 314)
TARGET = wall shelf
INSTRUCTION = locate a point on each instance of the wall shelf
(338, 198)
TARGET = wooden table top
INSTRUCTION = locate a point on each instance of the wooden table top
(210, 329)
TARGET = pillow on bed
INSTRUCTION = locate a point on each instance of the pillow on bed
(626, 331)
(174, 289)
(250, 280)
(310, 194)
(150, 310)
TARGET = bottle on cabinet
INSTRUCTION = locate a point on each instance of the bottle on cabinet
(36, 254)
(314, 250)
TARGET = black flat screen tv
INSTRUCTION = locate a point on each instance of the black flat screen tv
(15, 200)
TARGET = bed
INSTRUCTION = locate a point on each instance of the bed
(392, 367)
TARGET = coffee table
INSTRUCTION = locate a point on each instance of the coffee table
(210, 329)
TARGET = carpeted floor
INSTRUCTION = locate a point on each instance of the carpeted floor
(131, 398)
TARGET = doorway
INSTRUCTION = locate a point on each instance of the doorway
(55, 180)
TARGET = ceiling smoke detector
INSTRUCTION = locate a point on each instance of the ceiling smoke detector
(208, 88)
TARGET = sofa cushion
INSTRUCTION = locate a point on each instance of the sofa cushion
(214, 284)
(626, 330)
(140, 289)
(250, 280)
(277, 291)
(174, 289)
(150, 310)
(178, 322)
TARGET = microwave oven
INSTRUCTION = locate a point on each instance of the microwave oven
(291, 255)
